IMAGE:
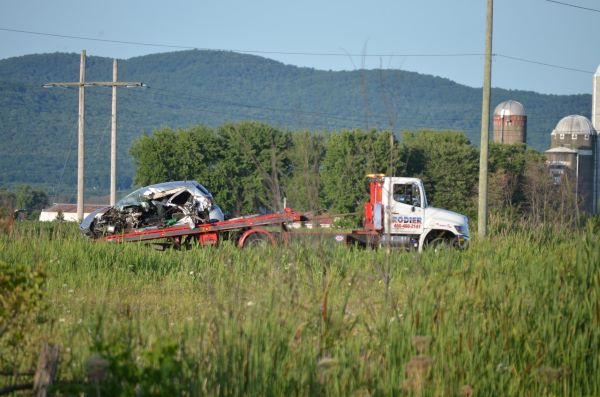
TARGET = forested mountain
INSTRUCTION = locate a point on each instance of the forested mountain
(38, 128)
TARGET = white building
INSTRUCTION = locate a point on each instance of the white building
(69, 211)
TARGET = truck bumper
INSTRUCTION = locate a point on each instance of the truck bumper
(462, 241)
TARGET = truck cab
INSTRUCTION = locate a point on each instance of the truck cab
(398, 215)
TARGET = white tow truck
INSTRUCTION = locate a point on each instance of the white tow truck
(398, 215)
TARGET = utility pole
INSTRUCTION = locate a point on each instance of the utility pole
(80, 144)
(113, 139)
(80, 148)
(485, 123)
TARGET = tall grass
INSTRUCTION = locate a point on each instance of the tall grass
(513, 315)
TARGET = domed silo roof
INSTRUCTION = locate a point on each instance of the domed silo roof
(509, 108)
(574, 125)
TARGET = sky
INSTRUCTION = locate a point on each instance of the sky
(533, 40)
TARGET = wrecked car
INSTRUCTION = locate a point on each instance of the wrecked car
(155, 206)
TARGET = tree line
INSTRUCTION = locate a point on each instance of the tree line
(252, 167)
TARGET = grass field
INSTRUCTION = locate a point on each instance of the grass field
(516, 314)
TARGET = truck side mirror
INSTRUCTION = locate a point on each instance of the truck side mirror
(412, 208)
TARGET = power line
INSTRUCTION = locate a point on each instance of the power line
(272, 109)
(573, 5)
(185, 47)
(303, 53)
(339, 120)
(65, 36)
(62, 173)
(543, 63)
(81, 84)
(334, 119)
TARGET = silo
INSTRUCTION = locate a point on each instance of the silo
(577, 134)
(561, 161)
(596, 124)
(596, 100)
(510, 123)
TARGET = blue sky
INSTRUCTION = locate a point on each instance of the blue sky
(354, 33)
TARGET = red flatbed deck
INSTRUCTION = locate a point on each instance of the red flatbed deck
(241, 223)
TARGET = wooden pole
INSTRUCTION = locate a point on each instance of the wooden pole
(80, 146)
(485, 122)
(113, 139)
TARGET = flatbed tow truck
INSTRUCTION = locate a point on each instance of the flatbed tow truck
(396, 215)
(248, 230)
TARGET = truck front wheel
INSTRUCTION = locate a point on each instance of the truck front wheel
(440, 241)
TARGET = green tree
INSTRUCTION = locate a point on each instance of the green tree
(448, 165)
(8, 200)
(30, 199)
(303, 187)
(249, 178)
(349, 157)
(169, 155)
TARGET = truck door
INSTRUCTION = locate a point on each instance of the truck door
(405, 208)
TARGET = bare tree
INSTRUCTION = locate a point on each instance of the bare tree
(502, 188)
(550, 200)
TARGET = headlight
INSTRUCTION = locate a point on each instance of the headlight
(461, 229)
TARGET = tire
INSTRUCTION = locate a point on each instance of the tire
(441, 243)
(257, 239)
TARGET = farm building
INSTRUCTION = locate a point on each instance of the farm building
(575, 150)
(68, 211)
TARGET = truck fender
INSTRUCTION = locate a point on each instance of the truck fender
(428, 233)
(261, 233)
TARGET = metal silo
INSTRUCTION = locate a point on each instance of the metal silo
(510, 123)
(573, 147)
(596, 124)
(596, 100)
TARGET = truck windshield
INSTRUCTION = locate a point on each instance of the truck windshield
(407, 193)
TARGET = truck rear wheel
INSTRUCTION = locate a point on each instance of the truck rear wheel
(256, 238)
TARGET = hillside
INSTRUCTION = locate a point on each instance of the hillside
(39, 126)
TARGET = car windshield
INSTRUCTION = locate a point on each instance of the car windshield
(134, 198)
(203, 190)
(142, 194)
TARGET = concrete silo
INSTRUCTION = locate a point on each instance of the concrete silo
(573, 148)
(596, 100)
(596, 124)
(510, 123)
